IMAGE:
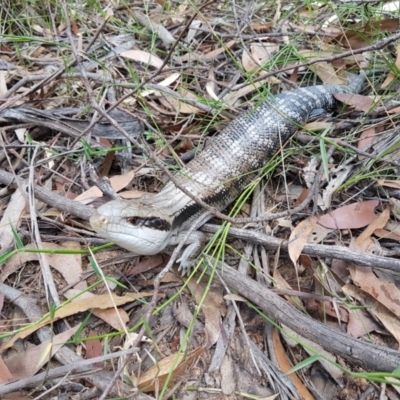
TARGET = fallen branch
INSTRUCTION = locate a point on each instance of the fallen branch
(319, 250)
(367, 355)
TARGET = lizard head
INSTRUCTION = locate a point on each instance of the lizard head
(134, 225)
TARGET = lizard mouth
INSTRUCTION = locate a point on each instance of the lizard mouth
(145, 236)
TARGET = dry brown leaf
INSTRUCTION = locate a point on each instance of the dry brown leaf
(5, 374)
(327, 73)
(94, 348)
(68, 265)
(215, 53)
(351, 216)
(317, 126)
(367, 137)
(389, 183)
(177, 105)
(12, 216)
(213, 307)
(359, 102)
(161, 109)
(363, 240)
(194, 30)
(361, 323)
(26, 364)
(326, 307)
(395, 110)
(145, 264)
(290, 193)
(262, 27)
(157, 375)
(393, 226)
(260, 53)
(118, 182)
(284, 365)
(385, 292)
(116, 320)
(232, 97)
(103, 301)
(319, 233)
(299, 237)
(165, 82)
(143, 57)
(211, 86)
(388, 319)
(385, 234)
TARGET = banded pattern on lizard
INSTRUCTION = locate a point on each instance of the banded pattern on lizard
(217, 175)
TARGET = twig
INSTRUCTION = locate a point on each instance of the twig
(81, 366)
(338, 252)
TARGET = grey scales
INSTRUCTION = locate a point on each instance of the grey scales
(218, 175)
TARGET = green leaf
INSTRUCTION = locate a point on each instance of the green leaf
(305, 363)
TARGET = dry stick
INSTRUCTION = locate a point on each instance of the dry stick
(367, 355)
(81, 366)
(338, 252)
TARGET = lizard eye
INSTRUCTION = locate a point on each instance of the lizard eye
(134, 221)
(154, 223)
(158, 223)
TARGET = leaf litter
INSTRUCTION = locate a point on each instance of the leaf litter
(195, 80)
